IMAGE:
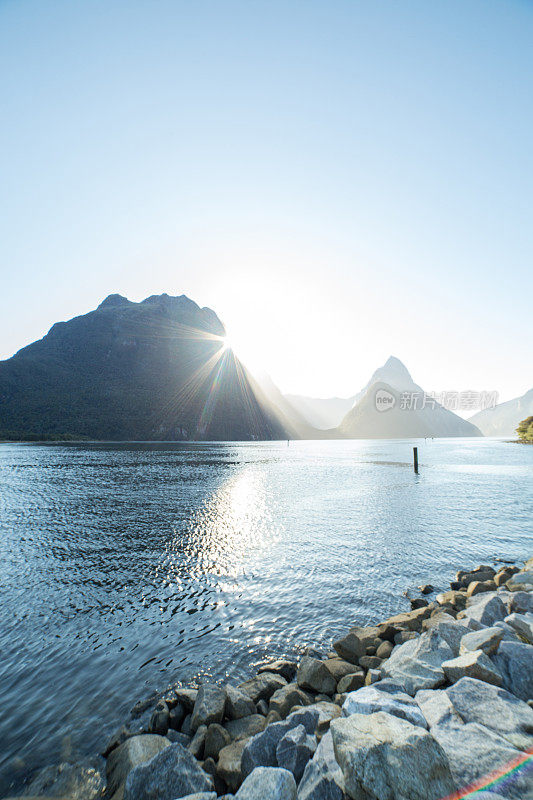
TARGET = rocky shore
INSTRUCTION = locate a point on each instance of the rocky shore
(432, 703)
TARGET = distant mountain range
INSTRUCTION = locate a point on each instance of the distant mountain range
(151, 370)
(160, 370)
(503, 419)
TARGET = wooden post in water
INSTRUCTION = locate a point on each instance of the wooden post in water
(415, 459)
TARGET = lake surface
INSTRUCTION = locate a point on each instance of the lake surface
(126, 567)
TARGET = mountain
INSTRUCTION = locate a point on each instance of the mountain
(295, 423)
(379, 411)
(157, 369)
(323, 413)
(503, 419)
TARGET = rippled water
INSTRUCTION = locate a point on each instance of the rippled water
(125, 567)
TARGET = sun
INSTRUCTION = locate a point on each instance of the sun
(226, 344)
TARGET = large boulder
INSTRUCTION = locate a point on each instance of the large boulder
(370, 699)
(82, 781)
(284, 699)
(280, 667)
(354, 645)
(351, 682)
(294, 751)
(485, 609)
(523, 625)
(173, 773)
(515, 662)
(386, 758)
(313, 674)
(260, 750)
(209, 706)
(134, 751)
(216, 738)
(495, 708)
(322, 778)
(472, 664)
(263, 686)
(339, 667)
(245, 727)
(448, 629)
(521, 581)
(521, 603)
(268, 783)
(238, 704)
(417, 664)
(229, 767)
(487, 639)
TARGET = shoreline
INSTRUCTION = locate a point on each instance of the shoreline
(301, 730)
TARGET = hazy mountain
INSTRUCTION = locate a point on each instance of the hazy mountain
(296, 424)
(322, 413)
(503, 419)
(379, 411)
(151, 370)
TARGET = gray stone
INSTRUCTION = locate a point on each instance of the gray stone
(201, 796)
(480, 574)
(487, 639)
(485, 608)
(417, 664)
(352, 646)
(350, 683)
(372, 676)
(280, 667)
(177, 737)
(521, 603)
(322, 778)
(209, 705)
(160, 719)
(187, 698)
(522, 624)
(134, 751)
(284, 699)
(386, 758)
(176, 716)
(370, 699)
(407, 621)
(370, 662)
(477, 587)
(313, 674)
(268, 783)
(216, 738)
(294, 751)
(186, 725)
(173, 773)
(403, 636)
(229, 767)
(262, 707)
(263, 686)
(515, 662)
(245, 727)
(384, 650)
(509, 634)
(521, 581)
(196, 745)
(339, 667)
(437, 707)
(260, 750)
(495, 708)
(238, 704)
(81, 781)
(448, 629)
(472, 664)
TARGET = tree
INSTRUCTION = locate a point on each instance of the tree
(525, 430)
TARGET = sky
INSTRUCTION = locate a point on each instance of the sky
(340, 181)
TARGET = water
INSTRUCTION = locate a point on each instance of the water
(125, 567)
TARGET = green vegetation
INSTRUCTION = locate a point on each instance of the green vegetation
(525, 430)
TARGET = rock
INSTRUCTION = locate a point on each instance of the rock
(352, 646)
(509, 634)
(313, 674)
(245, 727)
(485, 608)
(177, 737)
(327, 712)
(339, 667)
(407, 621)
(472, 664)
(372, 676)
(187, 698)
(487, 639)
(260, 750)
(521, 581)
(426, 588)
(263, 686)
(477, 587)
(216, 738)
(495, 708)
(483, 573)
(418, 602)
(384, 650)
(370, 699)
(284, 699)
(268, 783)
(384, 758)
(448, 629)
(82, 781)
(159, 721)
(456, 599)
(294, 751)
(503, 575)
(351, 682)
(201, 796)
(173, 773)
(262, 707)
(116, 739)
(238, 704)
(370, 662)
(229, 767)
(186, 725)
(521, 603)
(209, 705)
(196, 745)
(523, 625)
(515, 662)
(287, 669)
(134, 751)
(403, 636)
(322, 778)
(176, 716)
(437, 707)
(417, 664)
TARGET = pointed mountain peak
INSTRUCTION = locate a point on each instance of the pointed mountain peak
(393, 372)
(114, 300)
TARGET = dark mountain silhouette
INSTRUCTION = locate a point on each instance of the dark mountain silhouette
(151, 370)
(503, 419)
(379, 412)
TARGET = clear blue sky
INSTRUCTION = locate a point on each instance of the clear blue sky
(338, 180)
